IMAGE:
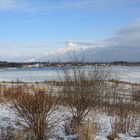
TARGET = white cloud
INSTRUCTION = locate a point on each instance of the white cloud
(125, 45)
(71, 46)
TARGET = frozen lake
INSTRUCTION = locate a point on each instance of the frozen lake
(125, 73)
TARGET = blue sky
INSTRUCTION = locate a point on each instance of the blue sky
(35, 28)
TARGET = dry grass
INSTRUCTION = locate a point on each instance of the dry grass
(87, 131)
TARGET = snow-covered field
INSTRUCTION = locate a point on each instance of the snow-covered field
(9, 119)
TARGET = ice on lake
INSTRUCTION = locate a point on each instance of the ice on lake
(124, 73)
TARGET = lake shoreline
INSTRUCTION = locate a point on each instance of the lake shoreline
(57, 83)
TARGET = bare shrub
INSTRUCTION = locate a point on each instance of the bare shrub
(83, 91)
(126, 118)
(34, 110)
(109, 101)
(123, 117)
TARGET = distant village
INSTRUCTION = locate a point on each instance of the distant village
(5, 64)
